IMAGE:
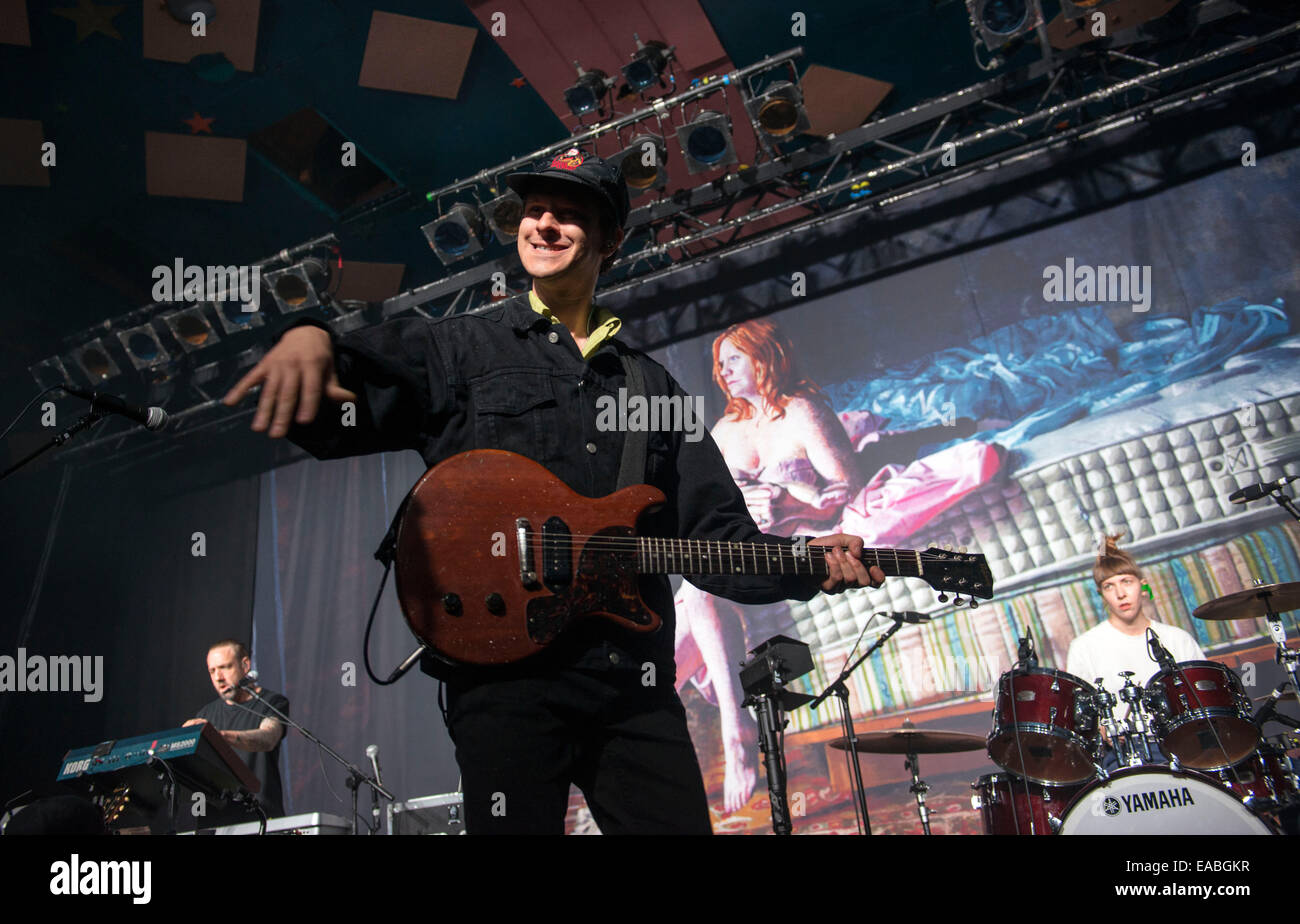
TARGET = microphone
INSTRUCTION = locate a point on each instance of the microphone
(250, 679)
(1025, 652)
(1159, 653)
(1263, 489)
(372, 751)
(1263, 711)
(908, 616)
(151, 418)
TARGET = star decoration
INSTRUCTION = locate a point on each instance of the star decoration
(198, 124)
(91, 19)
(519, 82)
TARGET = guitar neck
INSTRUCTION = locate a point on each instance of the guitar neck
(708, 556)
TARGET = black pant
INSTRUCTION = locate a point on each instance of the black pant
(521, 742)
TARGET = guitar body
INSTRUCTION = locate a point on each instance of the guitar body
(460, 579)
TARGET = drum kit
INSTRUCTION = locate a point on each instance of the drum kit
(1187, 757)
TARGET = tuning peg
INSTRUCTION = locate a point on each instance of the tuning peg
(974, 604)
(957, 600)
(943, 598)
(961, 549)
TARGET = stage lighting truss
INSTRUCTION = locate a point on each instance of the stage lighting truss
(296, 287)
(995, 23)
(1078, 94)
(455, 234)
(648, 64)
(502, 214)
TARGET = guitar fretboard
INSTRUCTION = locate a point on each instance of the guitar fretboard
(707, 556)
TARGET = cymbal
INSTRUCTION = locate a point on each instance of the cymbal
(1250, 603)
(912, 740)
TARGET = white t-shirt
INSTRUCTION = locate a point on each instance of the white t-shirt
(1103, 651)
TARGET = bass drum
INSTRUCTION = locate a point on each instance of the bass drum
(1157, 800)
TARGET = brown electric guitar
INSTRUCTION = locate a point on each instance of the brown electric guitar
(495, 557)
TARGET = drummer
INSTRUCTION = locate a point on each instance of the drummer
(1119, 643)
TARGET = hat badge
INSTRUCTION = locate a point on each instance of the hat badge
(569, 160)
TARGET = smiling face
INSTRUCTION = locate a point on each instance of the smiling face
(737, 372)
(1123, 596)
(560, 235)
(226, 669)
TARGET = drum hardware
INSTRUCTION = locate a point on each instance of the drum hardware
(910, 742)
(851, 738)
(1267, 602)
(1137, 741)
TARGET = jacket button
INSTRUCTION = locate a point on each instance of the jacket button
(591, 448)
(613, 657)
(553, 337)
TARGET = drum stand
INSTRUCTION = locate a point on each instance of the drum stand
(1137, 740)
(919, 789)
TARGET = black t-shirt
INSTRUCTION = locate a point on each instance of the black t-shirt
(265, 765)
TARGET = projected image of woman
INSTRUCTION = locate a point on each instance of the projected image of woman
(796, 468)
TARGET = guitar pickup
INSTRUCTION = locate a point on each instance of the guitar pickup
(557, 554)
(527, 570)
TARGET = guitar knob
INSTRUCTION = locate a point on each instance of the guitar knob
(451, 603)
(496, 604)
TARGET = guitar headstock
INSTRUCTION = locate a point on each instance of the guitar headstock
(957, 572)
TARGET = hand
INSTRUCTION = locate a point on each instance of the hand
(189, 722)
(232, 738)
(846, 568)
(292, 375)
(760, 498)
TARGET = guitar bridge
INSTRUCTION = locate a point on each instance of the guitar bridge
(527, 570)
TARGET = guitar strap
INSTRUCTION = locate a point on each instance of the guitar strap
(632, 468)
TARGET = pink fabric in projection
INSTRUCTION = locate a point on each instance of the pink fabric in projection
(899, 500)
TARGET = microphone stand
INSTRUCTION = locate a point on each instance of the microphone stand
(842, 694)
(355, 776)
(89, 420)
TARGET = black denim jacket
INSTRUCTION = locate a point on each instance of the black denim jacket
(511, 379)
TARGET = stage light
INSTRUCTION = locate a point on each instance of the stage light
(234, 318)
(502, 216)
(779, 112)
(642, 164)
(295, 288)
(585, 95)
(51, 372)
(191, 329)
(455, 234)
(706, 142)
(997, 22)
(647, 64)
(143, 347)
(94, 362)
